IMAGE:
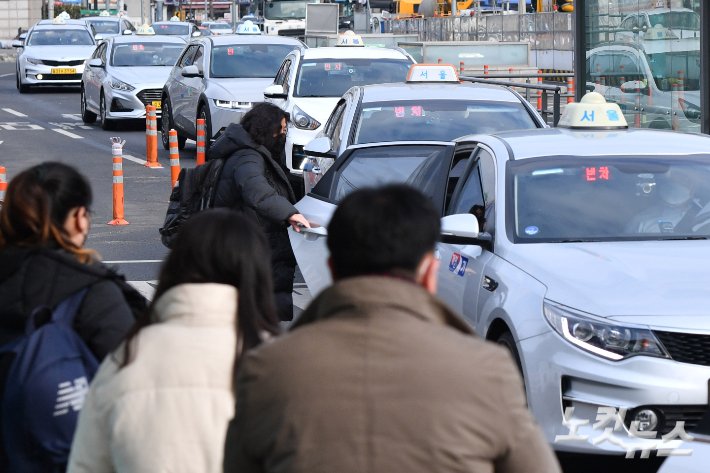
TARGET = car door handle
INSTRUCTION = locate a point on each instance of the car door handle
(489, 284)
(313, 233)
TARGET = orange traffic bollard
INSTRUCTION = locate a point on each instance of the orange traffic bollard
(461, 67)
(200, 141)
(151, 138)
(438, 61)
(174, 158)
(3, 183)
(485, 69)
(117, 152)
(570, 89)
(539, 92)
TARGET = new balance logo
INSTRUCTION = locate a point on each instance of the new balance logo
(71, 396)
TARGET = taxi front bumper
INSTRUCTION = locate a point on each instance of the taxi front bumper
(567, 387)
(40, 74)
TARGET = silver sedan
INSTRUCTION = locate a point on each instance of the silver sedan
(125, 74)
(218, 78)
(583, 251)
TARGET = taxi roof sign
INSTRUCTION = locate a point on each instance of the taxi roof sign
(174, 18)
(61, 19)
(248, 27)
(145, 30)
(593, 112)
(105, 13)
(432, 73)
(350, 39)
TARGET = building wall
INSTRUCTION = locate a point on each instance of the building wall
(16, 14)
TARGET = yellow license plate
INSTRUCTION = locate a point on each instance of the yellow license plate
(156, 104)
(63, 70)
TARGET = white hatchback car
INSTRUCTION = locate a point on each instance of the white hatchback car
(53, 53)
(310, 82)
(582, 250)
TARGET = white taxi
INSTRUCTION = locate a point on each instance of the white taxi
(53, 53)
(582, 249)
(310, 82)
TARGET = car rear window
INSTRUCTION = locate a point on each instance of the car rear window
(333, 77)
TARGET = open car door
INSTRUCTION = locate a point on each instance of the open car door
(424, 165)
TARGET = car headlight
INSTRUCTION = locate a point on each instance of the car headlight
(120, 85)
(232, 104)
(36, 62)
(602, 337)
(302, 120)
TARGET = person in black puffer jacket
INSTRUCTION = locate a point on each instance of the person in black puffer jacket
(253, 182)
(43, 226)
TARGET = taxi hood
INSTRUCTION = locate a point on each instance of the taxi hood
(60, 53)
(135, 75)
(667, 280)
(319, 108)
(241, 90)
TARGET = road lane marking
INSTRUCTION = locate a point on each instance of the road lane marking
(67, 133)
(133, 261)
(72, 116)
(134, 159)
(1, 142)
(5, 75)
(14, 112)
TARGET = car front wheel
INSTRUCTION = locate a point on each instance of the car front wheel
(106, 123)
(86, 115)
(20, 86)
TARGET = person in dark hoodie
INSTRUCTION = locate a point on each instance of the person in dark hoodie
(44, 223)
(254, 183)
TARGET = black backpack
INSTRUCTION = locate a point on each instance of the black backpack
(195, 191)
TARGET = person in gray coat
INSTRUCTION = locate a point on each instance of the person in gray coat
(253, 182)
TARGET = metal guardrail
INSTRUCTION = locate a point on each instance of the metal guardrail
(544, 90)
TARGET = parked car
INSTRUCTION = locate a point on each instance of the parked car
(217, 78)
(311, 81)
(581, 249)
(125, 74)
(53, 53)
(655, 82)
(108, 26)
(184, 29)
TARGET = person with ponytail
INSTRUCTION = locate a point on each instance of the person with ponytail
(164, 399)
(44, 222)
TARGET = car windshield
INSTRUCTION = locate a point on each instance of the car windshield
(680, 20)
(220, 26)
(439, 120)
(612, 198)
(248, 60)
(333, 77)
(678, 70)
(60, 37)
(145, 54)
(171, 29)
(422, 166)
(105, 27)
(285, 9)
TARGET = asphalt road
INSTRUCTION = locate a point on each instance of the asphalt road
(45, 125)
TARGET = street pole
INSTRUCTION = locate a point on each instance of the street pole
(158, 10)
(107, 6)
(235, 15)
(454, 7)
(142, 14)
(204, 18)
(50, 9)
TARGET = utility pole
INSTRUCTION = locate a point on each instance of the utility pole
(158, 10)
(50, 9)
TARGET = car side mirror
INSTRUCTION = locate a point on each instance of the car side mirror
(191, 71)
(196, 34)
(99, 38)
(463, 229)
(127, 32)
(275, 91)
(634, 87)
(95, 62)
(18, 44)
(320, 147)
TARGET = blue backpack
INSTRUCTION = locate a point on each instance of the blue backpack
(45, 390)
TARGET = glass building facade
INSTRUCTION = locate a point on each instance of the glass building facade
(649, 56)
